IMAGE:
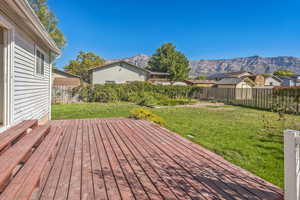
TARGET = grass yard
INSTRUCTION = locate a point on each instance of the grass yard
(249, 138)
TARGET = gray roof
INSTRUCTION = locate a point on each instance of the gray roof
(227, 74)
(230, 81)
(55, 70)
(132, 65)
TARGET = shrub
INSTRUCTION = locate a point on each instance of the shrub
(142, 113)
(104, 95)
(142, 93)
(142, 99)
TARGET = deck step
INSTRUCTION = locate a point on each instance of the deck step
(12, 135)
(19, 153)
(24, 183)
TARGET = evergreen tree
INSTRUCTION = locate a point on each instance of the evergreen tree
(168, 59)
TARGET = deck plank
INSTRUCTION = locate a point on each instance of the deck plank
(98, 178)
(211, 181)
(130, 174)
(183, 180)
(107, 173)
(117, 170)
(141, 182)
(49, 188)
(121, 158)
(87, 189)
(249, 182)
(162, 187)
(63, 183)
(76, 172)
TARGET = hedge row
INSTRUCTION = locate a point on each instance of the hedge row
(128, 91)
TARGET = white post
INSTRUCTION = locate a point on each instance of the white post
(291, 164)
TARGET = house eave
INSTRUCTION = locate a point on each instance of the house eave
(31, 20)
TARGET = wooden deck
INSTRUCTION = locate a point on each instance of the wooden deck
(132, 159)
(129, 159)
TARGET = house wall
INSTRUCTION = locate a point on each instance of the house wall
(226, 86)
(259, 80)
(30, 92)
(204, 85)
(1, 77)
(243, 84)
(270, 81)
(118, 74)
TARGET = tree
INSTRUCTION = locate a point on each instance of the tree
(83, 63)
(49, 21)
(283, 73)
(168, 59)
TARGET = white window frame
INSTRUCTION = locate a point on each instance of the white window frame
(35, 61)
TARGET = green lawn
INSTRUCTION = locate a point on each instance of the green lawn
(249, 138)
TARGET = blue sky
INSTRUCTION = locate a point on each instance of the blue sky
(201, 29)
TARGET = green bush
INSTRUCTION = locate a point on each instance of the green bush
(104, 95)
(142, 93)
(141, 113)
(143, 99)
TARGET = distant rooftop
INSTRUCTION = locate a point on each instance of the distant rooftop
(230, 81)
(228, 74)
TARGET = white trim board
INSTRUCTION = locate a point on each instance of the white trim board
(8, 60)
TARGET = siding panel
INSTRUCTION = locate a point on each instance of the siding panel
(31, 91)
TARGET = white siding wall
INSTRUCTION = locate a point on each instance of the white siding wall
(118, 74)
(271, 82)
(31, 91)
(243, 85)
(1, 77)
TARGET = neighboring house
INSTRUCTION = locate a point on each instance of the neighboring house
(259, 80)
(220, 76)
(265, 80)
(201, 83)
(235, 83)
(290, 81)
(69, 82)
(26, 54)
(62, 78)
(57, 73)
(271, 80)
(124, 72)
(240, 88)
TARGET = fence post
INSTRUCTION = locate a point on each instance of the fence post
(291, 164)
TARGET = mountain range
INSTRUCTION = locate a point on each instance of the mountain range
(254, 64)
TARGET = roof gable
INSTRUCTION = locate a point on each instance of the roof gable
(234, 81)
(119, 63)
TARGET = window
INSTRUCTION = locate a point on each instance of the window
(40, 63)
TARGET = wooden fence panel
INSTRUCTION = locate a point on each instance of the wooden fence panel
(262, 98)
(63, 94)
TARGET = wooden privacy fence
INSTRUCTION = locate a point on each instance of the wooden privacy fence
(262, 98)
(63, 94)
(291, 165)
